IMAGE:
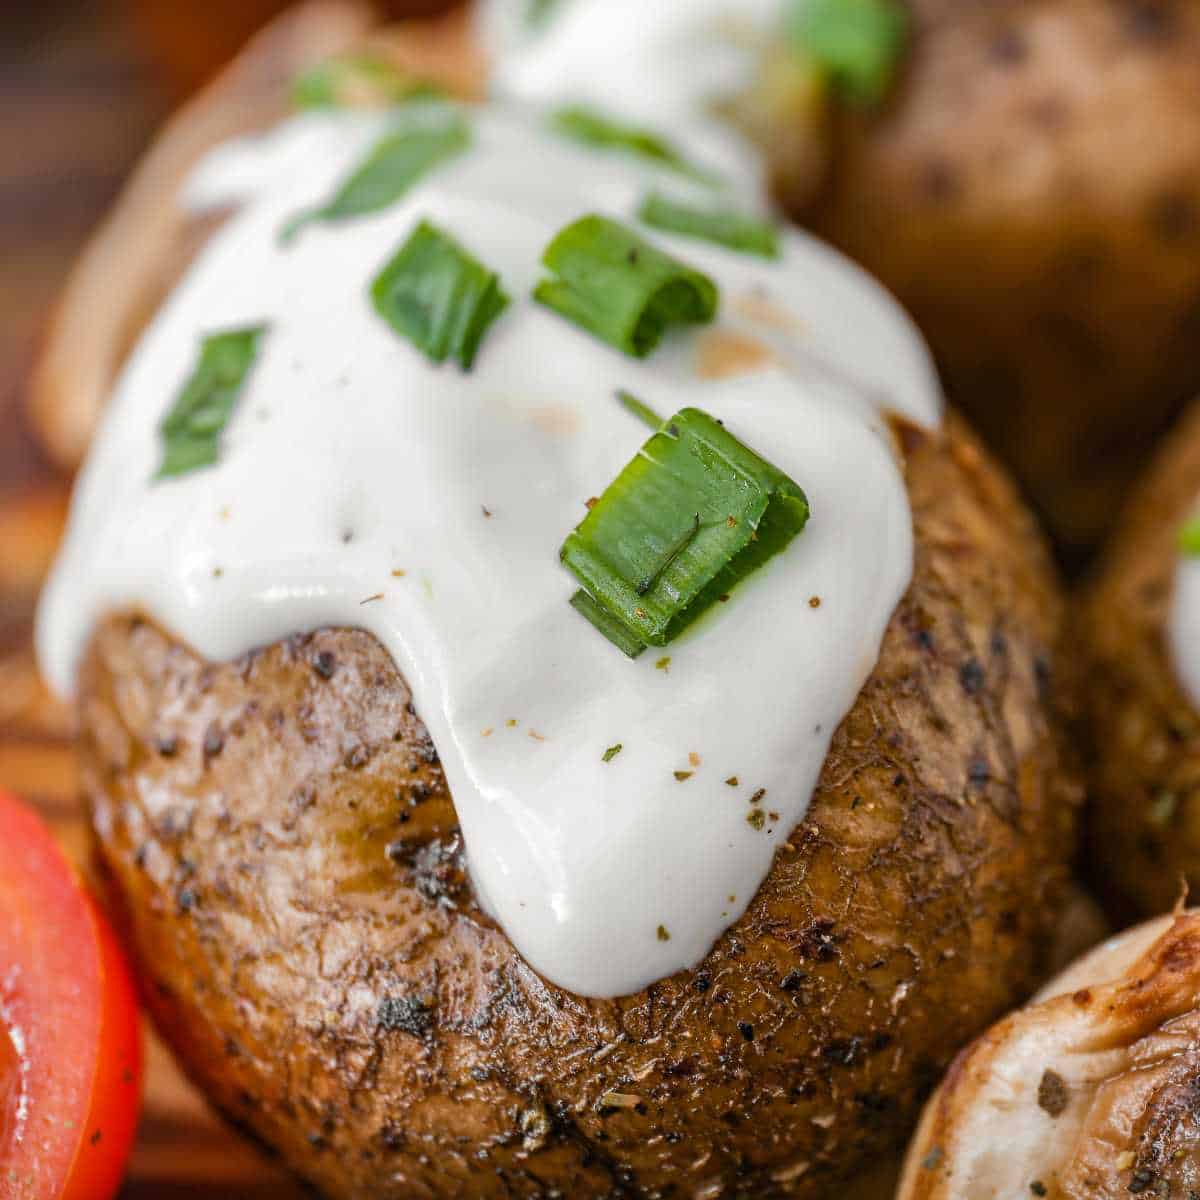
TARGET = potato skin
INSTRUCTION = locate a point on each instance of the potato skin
(1142, 732)
(284, 854)
(1032, 196)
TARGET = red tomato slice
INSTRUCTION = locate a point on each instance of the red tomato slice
(70, 1041)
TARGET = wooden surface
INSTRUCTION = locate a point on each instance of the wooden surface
(76, 106)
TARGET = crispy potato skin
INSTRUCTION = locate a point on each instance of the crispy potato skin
(1142, 733)
(285, 857)
(1032, 196)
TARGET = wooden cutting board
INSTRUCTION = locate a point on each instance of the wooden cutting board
(76, 107)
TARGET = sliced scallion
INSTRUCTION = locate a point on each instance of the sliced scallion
(392, 167)
(191, 431)
(750, 235)
(857, 43)
(621, 288)
(691, 516)
(639, 409)
(438, 295)
(603, 132)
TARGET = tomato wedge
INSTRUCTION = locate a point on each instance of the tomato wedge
(70, 1041)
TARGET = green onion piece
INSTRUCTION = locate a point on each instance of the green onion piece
(358, 80)
(437, 295)
(1189, 538)
(642, 411)
(750, 235)
(620, 287)
(613, 629)
(691, 516)
(392, 167)
(602, 132)
(858, 43)
(191, 431)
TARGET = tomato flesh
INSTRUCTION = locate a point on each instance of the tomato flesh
(12, 1088)
(70, 1043)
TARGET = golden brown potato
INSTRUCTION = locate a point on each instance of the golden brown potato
(1086, 1094)
(1142, 731)
(285, 856)
(1032, 196)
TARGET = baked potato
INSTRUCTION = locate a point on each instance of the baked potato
(286, 861)
(1031, 194)
(1142, 733)
(1092, 1082)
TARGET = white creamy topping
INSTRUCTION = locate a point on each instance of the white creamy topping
(1183, 626)
(350, 459)
(663, 62)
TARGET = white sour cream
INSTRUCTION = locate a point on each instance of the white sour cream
(350, 458)
(663, 62)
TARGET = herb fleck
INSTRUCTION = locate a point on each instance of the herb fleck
(693, 758)
(663, 663)
(612, 752)
(662, 934)
(682, 775)
(732, 781)
(756, 818)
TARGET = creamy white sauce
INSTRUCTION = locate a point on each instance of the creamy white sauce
(1183, 626)
(351, 458)
(663, 62)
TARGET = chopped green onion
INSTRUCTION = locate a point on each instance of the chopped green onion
(621, 288)
(393, 166)
(595, 129)
(612, 752)
(437, 295)
(691, 516)
(858, 43)
(355, 80)
(750, 235)
(643, 412)
(191, 431)
(1189, 538)
(613, 629)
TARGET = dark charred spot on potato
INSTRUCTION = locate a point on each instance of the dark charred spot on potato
(1140, 1181)
(1174, 217)
(186, 899)
(325, 664)
(816, 940)
(939, 182)
(1048, 113)
(998, 644)
(167, 745)
(746, 1030)
(843, 1052)
(1150, 22)
(1008, 48)
(971, 676)
(1037, 1187)
(412, 1014)
(438, 867)
(874, 1104)
(978, 772)
(357, 757)
(1053, 1095)
(214, 740)
(701, 983)
(793, 980)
